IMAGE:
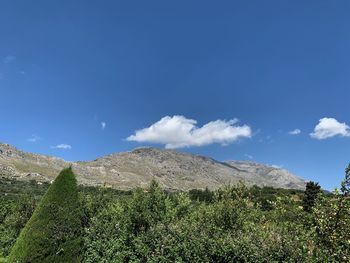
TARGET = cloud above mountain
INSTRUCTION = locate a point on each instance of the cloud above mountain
(62, 146)
(34, 138)
(179, 132)
(330, 127)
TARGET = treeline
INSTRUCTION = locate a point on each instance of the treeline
(232, 224)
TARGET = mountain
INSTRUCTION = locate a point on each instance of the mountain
(173, 170)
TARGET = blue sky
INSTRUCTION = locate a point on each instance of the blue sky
(276, 66)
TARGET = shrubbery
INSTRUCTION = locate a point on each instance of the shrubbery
(154, 227)
(53, 233)
(232, 224)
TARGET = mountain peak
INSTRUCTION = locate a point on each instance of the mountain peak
(172, 169)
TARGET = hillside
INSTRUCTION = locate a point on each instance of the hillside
(173, 170)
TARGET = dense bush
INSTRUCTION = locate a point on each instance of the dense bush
(154, 227)
(53, 233)
(17, 202)
(13, 216)
(232, 224)
(332, 222)
(311, 192)
(201, 195)
(233, 227)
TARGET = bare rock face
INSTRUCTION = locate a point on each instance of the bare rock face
(270, 175)
(16, 164)
(172, 169)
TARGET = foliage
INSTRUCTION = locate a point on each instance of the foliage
(13, 217)
(311, 192)
(17, 202)
(232, 224)
(201, 195)
(154, 227)
(53, 232)
(332, 222)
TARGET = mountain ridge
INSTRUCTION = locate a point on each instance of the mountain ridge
(126, 170)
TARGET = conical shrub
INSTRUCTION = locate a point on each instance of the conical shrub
(53, 233)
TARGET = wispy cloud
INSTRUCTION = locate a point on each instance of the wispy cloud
(277, 166)
(295, 132)
(8, 59)
(249, 156)
(179, 132)
(103, 125)
(34, 138)
(330, 127)
(62, 146)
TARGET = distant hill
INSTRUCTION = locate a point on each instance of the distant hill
(173, 170)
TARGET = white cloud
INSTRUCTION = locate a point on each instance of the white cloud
(249, 156)
(330, 127)
(178, 132)
(103, 125)
(295, 132)
(8, 59)
(34, 138)
(62, 146)
(277, 166)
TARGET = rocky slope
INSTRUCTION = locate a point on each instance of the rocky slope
(172, 169)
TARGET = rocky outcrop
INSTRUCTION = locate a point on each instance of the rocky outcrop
(172, 169)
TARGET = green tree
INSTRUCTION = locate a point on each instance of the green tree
(310, 195)
(14, 214)
(332, 222)
(53, 233)
(345, 185)
(146, 208)
(201, 195)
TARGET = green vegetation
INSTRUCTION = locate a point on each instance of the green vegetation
(311, 192)
(53, 233)
(17, 203)
(233, 224)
